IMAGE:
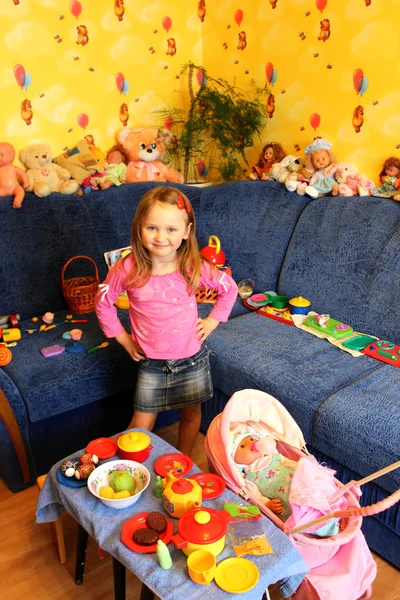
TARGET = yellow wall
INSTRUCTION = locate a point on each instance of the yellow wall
(69, 79)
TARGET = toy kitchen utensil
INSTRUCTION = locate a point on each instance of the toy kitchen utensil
(213, 252)
(202, 529)
(299, 305)
(134, 445)
(180, 495)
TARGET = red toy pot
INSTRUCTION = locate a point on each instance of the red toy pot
(202, 529)
(134, 446)
(213, 252)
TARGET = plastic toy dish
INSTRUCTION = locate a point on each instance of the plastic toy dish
(102, 447)
(211, 485)
(259, 300)
(99, 478)
(177, 464)
(236, 575)
(139, 522)
(71, 482)
(359, 342)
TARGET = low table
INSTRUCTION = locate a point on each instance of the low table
(104, 524)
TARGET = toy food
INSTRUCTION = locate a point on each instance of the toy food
(144, 146)
(88, 459)
(180, 495)
(122, 481)
(145, 537)
(163, 555)
(5, 356)
(156, 520)
(68, 467)
(83, 471)
(44, 175)
(10, 176)
(48, 317)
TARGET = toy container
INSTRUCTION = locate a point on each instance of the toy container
(134, 445)
(213, 252)
(180, 495)
(202, 529)
(299, 305)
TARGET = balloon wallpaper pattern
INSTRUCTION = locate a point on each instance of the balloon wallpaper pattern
(81, 68)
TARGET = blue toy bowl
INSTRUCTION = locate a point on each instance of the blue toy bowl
(299, 310)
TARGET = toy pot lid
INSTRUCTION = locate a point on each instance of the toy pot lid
(213, 252)
(299, 301)
(135, 441)
(203, 525)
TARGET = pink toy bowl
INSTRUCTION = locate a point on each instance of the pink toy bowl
(134, 445)
(76, 334)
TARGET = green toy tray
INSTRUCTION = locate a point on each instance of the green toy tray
(359, 342)
(334, 328)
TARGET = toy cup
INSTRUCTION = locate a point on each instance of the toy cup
(76, 334)
(322, 320)
(246, 288)
(201, 566)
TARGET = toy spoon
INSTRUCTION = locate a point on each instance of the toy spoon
(103, 345)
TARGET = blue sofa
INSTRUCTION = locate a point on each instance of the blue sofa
(340, 253)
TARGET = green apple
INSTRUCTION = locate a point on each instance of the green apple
(121, 481)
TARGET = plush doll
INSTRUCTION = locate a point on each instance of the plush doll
(292, 173)
(115, 170)
(45, 176)
(144, 146)
(11, 176)
(321, 165)
(390, 180)
(88, 184)
(351, 182)
(79, 160)
(271, 153)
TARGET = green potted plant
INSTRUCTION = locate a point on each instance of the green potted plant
(211, 135)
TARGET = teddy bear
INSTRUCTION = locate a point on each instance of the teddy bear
(171, 47)
(44, 175)
(144, 147)
(325, 31)
(291, 172)
(83, 37)
(242, 43)
(351, 182)
(26, 111)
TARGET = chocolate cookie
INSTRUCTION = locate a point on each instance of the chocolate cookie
(156, 520)
(145, 537)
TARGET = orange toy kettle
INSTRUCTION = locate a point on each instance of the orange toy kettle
(180, 495)
(213, 252)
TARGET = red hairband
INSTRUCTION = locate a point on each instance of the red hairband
(183, 203)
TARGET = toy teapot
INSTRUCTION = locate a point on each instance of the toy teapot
(213, 252)
(180, 495)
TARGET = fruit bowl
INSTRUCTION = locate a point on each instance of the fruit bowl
(101, 478)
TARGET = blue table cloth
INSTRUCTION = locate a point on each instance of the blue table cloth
(104, 524)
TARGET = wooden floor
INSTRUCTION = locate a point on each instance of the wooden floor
(29, 566)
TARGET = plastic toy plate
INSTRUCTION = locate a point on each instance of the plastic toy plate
(139, 522)
(211, 485)
(102, 447)
(236, 575)
(177, 464)
(359, 342)
(71, 482)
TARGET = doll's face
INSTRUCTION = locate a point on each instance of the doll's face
(392, 171)
(268, 154)
(7, 154)
(114, 157)
(244, 455)
(320, 159)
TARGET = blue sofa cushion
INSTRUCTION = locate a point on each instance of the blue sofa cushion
(359, 425)
(52, 386)
(254, 222)
(299, 369)
(343, 257)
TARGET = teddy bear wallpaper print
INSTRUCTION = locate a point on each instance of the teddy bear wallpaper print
(73, 68)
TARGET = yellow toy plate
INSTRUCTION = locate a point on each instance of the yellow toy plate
(236, 575)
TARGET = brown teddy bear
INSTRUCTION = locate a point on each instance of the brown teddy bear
(358, 118)
(119, 9)
(124, 114)
(242, 41)
(26, 111)
(83, 37)
(144, 146)
(171, 47)
(270, 107)
(325, 31)
(44, 175)
(201, 10)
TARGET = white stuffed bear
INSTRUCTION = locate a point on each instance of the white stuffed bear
(45, 176)
(289, 171)
(351, 182)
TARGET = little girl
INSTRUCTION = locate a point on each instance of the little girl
(271, 153)
(115, 170)
(390, 178)
(160, 277)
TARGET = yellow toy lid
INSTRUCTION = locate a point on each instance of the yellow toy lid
(299, 301)
(134, 441)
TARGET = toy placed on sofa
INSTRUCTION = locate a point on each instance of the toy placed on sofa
(321, 165)
(45, 176)
(10, 176)
(270, 154)
(351, 182)
(390, 180)
(81, 162)
(291, 171)
(144, 148)
(314, 493)
(115, 170)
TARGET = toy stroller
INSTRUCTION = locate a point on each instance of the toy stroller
(341, 566)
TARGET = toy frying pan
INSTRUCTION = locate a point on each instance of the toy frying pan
(259, 300)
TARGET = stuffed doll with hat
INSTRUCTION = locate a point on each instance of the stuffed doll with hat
(321, 164)
(144, 147)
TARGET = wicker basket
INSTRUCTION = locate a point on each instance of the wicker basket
(208, 295)
(80, 292)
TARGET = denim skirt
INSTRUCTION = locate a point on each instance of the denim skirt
(167, 384)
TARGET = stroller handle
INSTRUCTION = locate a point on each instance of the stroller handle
(365, 511)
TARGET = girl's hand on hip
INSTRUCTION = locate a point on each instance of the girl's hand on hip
(132, 348)
(204, 327)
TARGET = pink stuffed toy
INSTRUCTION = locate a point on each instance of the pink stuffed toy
(351, 182)
(144, 146)
(10, 176)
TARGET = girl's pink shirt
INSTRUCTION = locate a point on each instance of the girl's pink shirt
(162, 313)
